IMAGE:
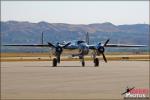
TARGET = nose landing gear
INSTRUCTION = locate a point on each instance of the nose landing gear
(83, 63)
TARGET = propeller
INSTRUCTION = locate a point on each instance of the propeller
(101, 49)
(58, 49)
(104, 57)
(66, 45)
(106, 42)
(58, 45)
(51, 45)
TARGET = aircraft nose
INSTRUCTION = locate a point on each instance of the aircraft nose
(86, 49)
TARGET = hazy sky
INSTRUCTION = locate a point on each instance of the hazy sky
(76, 12)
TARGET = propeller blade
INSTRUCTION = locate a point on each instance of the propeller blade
(66, 45)
(104, 57)
(106, 42)
(51, 45)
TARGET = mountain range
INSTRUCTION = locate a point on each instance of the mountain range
(15, 32)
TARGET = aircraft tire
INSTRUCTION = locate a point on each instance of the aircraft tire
(96, 62)
(54, 62)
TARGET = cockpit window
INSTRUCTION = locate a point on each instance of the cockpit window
(78, 42)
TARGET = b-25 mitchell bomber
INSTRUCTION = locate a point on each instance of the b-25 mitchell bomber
(82, 46)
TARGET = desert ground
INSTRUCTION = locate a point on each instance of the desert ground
(39, 80)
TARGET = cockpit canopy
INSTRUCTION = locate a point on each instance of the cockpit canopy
(81, 41)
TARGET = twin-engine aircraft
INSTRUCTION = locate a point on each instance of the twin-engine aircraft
(83, 48)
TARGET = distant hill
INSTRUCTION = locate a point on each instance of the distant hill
(13, 32)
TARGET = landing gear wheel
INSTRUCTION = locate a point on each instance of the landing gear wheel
(83, 63)
(54, 62)
(96, 62)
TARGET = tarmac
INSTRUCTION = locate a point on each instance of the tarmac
(39, 80)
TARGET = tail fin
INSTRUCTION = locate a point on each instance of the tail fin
(87, 38)
(42, 38)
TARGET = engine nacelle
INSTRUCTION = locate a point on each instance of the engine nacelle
(58, 50)
(100, 49)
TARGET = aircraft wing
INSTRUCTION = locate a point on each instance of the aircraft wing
(124, 45)
(117, 45)
(71, 47)
(124, 93)
(92, 46)
(28, 45)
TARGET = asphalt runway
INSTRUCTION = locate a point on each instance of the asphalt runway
(38, 80)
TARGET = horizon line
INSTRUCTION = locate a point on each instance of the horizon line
(74, 23)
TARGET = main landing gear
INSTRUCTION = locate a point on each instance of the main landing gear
(83, 63)
(54, 62)
(96, 62)
(81, 57)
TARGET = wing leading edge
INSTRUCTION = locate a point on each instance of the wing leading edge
(28, 45)
(124, 45)
(73, 46)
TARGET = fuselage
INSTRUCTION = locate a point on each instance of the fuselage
(83, 47)
(80, 47)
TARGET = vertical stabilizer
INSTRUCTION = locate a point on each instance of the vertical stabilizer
(87, 38)
(42, 38)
